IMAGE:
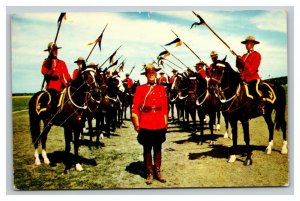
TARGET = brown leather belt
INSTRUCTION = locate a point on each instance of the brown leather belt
(151, 109)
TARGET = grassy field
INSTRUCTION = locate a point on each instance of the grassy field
(119, 163)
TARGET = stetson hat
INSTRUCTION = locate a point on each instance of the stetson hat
(174, 70)
(80, 59)
(200, 63)
(250, 38)
(213, 53)
(92, 65)
(52, 46)
(150, 67)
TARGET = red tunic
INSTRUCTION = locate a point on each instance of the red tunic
(172, 78)
(75, 74)
(153, 118)
(202, 73)
(162, 80)
(251, 64)
(59, 74)
(129, 82)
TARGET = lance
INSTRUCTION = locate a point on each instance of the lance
(203, 22)
(115, 63)
(131, 70)
(109, 57)
(187, 46)
(175, 57)
(121, 64)
(100, 37)
(173, 63)
(61, 16)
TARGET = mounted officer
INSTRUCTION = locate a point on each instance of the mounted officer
(248, 65)
(56, 74)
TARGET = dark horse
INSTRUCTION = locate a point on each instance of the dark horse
(193, 89)
(235, 101)
(66, 110)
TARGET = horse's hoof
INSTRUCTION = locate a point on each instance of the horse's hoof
(248, 162)
(268, 151)
(66, 171)
(37, 162)
(47, 161)
(284, 151)
(231, 159)
(78, 167)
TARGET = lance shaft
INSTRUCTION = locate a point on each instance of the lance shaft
(173, 63)
(187, 46)
(95, 44)
(131, 70)
(56, 36)
(175, 57)
(109, 57)
(233, 52)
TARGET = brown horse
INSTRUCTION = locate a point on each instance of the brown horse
(65, 110)
(236, 101)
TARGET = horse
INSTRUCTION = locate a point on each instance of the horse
(66, 110)
(111, 105)
(236, 101)
(93, 106)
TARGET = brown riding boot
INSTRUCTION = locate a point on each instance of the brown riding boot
(157, 164)
(148, 165)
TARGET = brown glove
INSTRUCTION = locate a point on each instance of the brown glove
(135, 122)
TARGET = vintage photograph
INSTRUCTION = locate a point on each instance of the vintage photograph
(149, 99)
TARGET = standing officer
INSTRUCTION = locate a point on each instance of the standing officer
(150, 120)
(248, 66)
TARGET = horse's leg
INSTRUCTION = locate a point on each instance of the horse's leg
(245, 125)
(234, 129)
(44, 135)
(90, 118)
(218, 120)
(201, 120)
(225, 115)
(68, 138)
(78, 167)
(270, 124)
(98, 132)
(193, 116)
(212, 118)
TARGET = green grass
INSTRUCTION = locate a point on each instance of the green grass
(119, 164)
(20, 103)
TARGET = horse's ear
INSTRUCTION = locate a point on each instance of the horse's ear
(224, 58)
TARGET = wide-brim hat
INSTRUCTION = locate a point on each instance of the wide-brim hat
(174, 70)
(52, 46)
(80, 59)
(200, 63)
(150, 67)
(92, 65)
(213, 53)
(250, 38)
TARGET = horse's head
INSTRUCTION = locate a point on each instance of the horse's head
(89, 77)
(115, 83)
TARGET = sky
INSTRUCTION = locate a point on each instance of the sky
(142, 35)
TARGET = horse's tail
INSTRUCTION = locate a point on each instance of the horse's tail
(34, 120)
(280, 106)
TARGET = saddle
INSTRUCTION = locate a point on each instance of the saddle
(265, 90)
(49, 98)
